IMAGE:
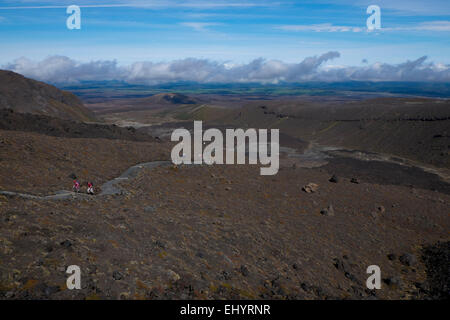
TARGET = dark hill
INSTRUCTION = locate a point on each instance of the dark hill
(171, 98)
(10, 120)
(30, 96)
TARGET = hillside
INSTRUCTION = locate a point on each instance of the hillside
(51, 126)
(30, 96)
(42, 164)
(416, 129)
(171, 98)
(224, 231)
(208, 232)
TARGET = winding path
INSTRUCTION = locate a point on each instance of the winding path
(315, 156)
(108, 188)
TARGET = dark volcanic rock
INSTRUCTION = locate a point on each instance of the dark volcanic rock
(149, 209)
(408, 259)
(117, 275)
(386, 173)
(244, 270)
(334, 179)
(50, 290)
(328, 211)
(392, 256)
(393, 281)
(66, 243)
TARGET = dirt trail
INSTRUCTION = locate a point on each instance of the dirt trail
(314, 156)
(108, 188)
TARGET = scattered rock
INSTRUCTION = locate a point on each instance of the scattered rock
(328, 211)
(225, 275)
(124, 295)
(66, 243)
(334, 179)
(117, 275)
(310, 187)
(159, 244)
(49, 290)
(393, 281)
(149, 209)
(228, 260)
(392, 256)
(345, 268)
(173, 275)
(408, 259)
(381, 209)
(374, 214)
(338, 264)
(354, 180)
(244, 270)
(305, 286)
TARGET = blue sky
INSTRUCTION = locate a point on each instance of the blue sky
(232, 32)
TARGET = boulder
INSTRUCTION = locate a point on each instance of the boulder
(310, 187)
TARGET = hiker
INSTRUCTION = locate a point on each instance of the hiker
(76, 186)
(90, 189)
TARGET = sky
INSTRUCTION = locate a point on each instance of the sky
(226, 41)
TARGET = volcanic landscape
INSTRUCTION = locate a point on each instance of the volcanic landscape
(362, 181)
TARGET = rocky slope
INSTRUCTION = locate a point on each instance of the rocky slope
(417, 129)
(216, 232)
(14, 121)
(219, 232)
(30, 96)
(41, 164)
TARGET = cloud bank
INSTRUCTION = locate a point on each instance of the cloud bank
(61, 69)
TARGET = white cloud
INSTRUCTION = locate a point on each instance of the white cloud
(424, 26)
(199, 26)
(60, 69)
(328, 27)
(323, 27)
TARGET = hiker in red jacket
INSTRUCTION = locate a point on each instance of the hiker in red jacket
(76, 186)
(90, 189)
